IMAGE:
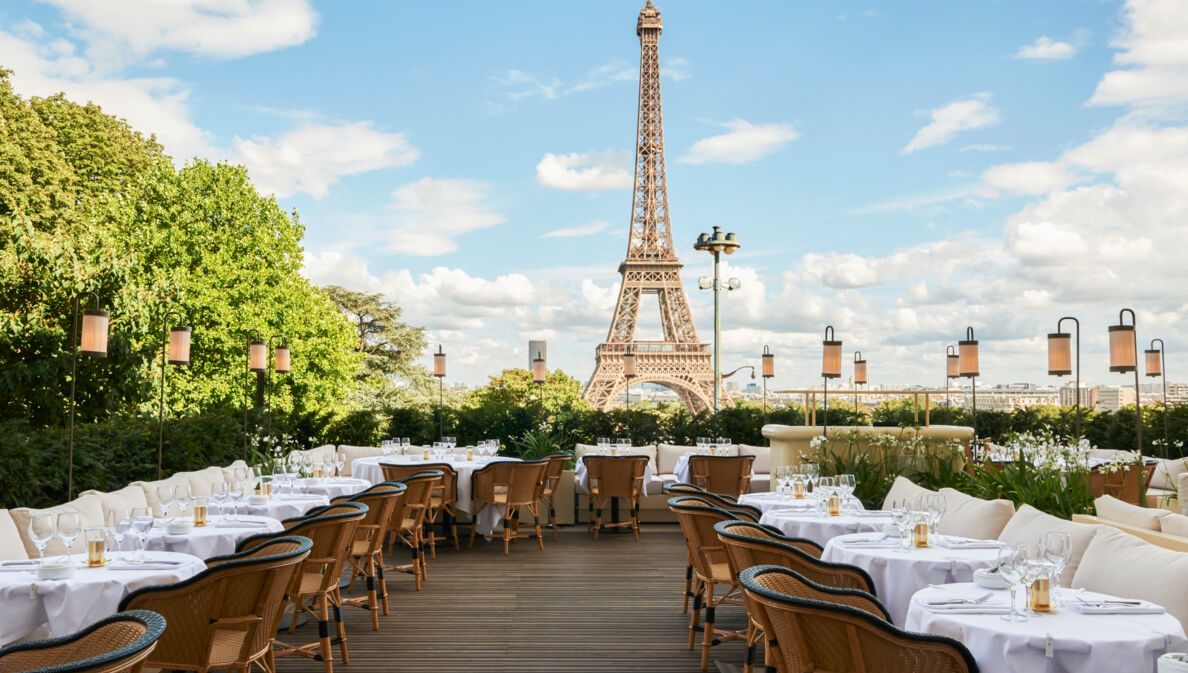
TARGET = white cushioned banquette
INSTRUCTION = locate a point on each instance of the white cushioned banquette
(968, 516)
(12, 547)
(904, 489)
(1121, 564)
(1109, 507)
(89, 508)
(1029, 525)
(1174, 524)
(354, 453)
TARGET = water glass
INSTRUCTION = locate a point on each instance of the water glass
(142, 525)
(69, 528)
(1057, 551)
(181, 496)
(96, 537)
(119, 522)
(1011, 562)
(165, 499)
(42, 528)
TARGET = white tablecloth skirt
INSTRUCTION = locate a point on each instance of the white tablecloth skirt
(217, 538)
(583, 477)
(684, 474)
(767, 501)
(822, 528)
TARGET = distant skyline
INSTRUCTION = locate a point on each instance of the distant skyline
(897, 171)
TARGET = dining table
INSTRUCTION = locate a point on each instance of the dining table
(810, 523)
(64, 606)
(219, 537)
(1084, 633)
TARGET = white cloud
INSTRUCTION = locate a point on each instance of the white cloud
(966, 114)
(589, 171)
(431, 212)
(1046, 49)
(1028, 177)
(575, 232)
(743, 143)
(520, 85)
(1154, 46)
(309, 159)
(983, 147)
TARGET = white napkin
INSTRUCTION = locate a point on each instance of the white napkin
(952, 599)
(299, 496)
(18, 569)
(240, 524)
(149, 565)
(1073, 603)
(949, 542)
(874, 513)
(869, 543)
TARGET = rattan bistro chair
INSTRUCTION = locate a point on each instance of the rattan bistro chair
(315, 586)
(685, 488)
(118, 644)
(744, 512)
(225, 617)
(408, 522)
(443, 502)
(367, 550)
(509, 486)
(711, 568)
(613, 477)
(729, 475)
(812, 634)
(552, 477)
(750, 544)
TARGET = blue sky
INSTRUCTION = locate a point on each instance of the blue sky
(899, 170)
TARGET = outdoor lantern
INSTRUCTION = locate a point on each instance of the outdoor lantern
(282, 359)
(952, 368)
(768, 363)
(539, 373)
(629, 365)
(831, 355)
(179, 345)
(94, 333)
(1154, 362)
(1060, 353)
(859, 369)
(257, 356)
(1123, 345)
(967, 354)
(439, 362)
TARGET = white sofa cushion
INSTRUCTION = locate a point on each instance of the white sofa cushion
(760, 483)
(354, 453)
(762, 464)
(126, 498)
(88, 506)
(201, 481)
(667, 456)
(1174, 524)
(1168, 472)
(1121, 564)
(580, 450)
(1109, 507)
(150, 489)
(1029, 525)
(904, 489)
(12, 548)
(968, 516)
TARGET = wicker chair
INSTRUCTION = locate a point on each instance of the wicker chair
(750, 544)
(684, 488)
(744, 512)
(729, 475)
(552, 477)
(226, 616)
(711, 568)
(367, 551)
(119, 644)
(616, 477)
(315, 586)
(508, 486)
(443, 502)
(812, 634)
(408, 521)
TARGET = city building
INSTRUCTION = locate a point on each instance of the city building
(1112, 398)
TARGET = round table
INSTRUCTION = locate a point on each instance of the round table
(767, 501)
(899, 573)
(65, 606)
(334, 487)
(821, 528)
(1080, 643)
(283, 506)
(217, 538)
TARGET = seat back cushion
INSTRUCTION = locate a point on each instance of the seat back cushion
(201, 481)
(1029, 524)
(126, 498)
(648, 450)
(968, 516)
(323, 453)
(1168, 472)
(1121, 564)
(762, 464)
(1109, 507)
(150, 489)
(88, 506)
(354, 453)
(1174, 524)
(904, 489)
(12, 548)
(667, 456)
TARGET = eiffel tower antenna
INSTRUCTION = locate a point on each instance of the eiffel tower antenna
(679, 362)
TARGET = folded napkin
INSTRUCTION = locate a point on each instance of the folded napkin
(949, 542)
(299, 496)
(964, 600)
(869, 543)
(18, 569)
(873, 513)
(240, 524)
(148, 565)
(1089, 603)
(987, 608)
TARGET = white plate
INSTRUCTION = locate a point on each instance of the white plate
(984, 578)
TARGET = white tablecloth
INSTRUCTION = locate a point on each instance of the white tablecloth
(1080, 643)
(899, 574)
(767, 501)
(583, 477)
(369, 469)
(821, 528)
(217, 538)
(283, 506)
(65, 606)
(333, 487)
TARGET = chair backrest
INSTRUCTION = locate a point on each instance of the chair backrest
(616, 476)
(381, 500)
(379, 486)
(697, 517)
(116, 644)
(332, 532)
(811, 634)
(447, 485)
(556, 467)
(750, 545)
(685, 488)
(513, 483)
(410, 514)
(722, 474)
(226, 615)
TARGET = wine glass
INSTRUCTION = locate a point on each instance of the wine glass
(142, 526)
(1058, 551)
(119, 522)
(812, 472)
(181, 496)
(69, 528)
(936, 505)
(42, 528)
(847, 483)
(1012, 562)
(236, 493)
(340, 461)
(218, 493)
(900, 515)
(165, 499)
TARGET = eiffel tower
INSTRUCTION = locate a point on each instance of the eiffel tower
(680, 362)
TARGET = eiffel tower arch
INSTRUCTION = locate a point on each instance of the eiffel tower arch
(679, 362)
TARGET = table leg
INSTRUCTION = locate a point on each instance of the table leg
(615, 514)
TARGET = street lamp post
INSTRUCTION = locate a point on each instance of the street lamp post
(280, 362)
(92, 342)
(1156, 366)
(439, 370)
(830, 369)
(716, 243)
(540, 373)
(1124, 358)
(952, 371)
(967, 366)
(257, 352)
(178, 342)
(1060, 362)
(859, 376)
(628, 374)
(768, 372)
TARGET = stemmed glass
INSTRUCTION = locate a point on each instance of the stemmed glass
(181, 496)
(936, 504)
(218, 493)
(41, 530)
(1058, 551)
(1012, 564)
(69, 528)
(142, 525)
(703, 445)
(165, 499)
(846, 483)
(900, 515)
(236, 493)
(119, 522)
(340, 461)
(812, 472)
(822, 490)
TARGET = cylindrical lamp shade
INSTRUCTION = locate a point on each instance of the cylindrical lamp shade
(831, 358)
(768, 365)
(1154, 363)
(1059, 354)
(629, 365)
(94, 334)
(539, 373)
(967, 358)
(179, 345)
(860, 372)
(952, 366)
(439, 362)
(257, 356)
(283, 359)
(1123, 357)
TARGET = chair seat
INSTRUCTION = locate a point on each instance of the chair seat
(311, 583)
(225, 645)
(655, 485)
(721, 572)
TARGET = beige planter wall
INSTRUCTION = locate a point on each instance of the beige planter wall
(790, 442)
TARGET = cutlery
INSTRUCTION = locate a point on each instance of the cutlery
(31, 562)
(1105, 602)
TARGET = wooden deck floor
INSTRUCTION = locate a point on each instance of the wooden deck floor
(579, 605)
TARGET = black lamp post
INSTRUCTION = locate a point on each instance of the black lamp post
(952, 371)
(1156, 361)
(281, 359)
(257, 362)
(540, 373)
(967, 366)
(628, 374)
(830, 369)
(768, 372)
(177, 339)
(1060, 359)
(92, 342)
(1124, 358)
(439, 370)
(859, 376)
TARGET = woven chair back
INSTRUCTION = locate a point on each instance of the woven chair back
(381, 500)
(729, 475)
(447, 487)
(684, 488)
(117, 644)
(756, 531)
(556, 467)
(227, 615)
(697, 517)
(617, 476)
(749, 547)
(513, 483)
(332, 532)
(829, 636)
(410, 512)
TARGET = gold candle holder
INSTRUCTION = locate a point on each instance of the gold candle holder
(199, 512)
(1040, 595)
(469, 455)
(798, 490)
(920, 534)
(96, 537)
(425, 454)
(834, 505)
